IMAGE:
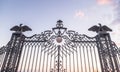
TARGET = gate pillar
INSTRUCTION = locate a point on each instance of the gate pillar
(14, 49)
(13, 53)
(107, 55)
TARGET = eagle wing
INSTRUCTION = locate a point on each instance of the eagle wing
(105, 28)
(15, 28)
(26, 28)
(94, 28)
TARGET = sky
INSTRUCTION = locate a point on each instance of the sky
(41, 15)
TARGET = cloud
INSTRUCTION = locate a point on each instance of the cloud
(116, 21)
(117, 12)
(79, 14)
(115, 35)
(104, 2)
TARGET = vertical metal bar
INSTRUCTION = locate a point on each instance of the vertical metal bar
(95, 57)
(25, 58)
(77, 58)
(80, 57)
(58, 67)
(50, 59)
(91, 58)
(88, 57)
(43, 62)
(47, 58)
(70, 59)
(73, 62)
(54, 61)
(62, 60)
(30, 58)
(66, 59)
(38, 50)
(34, 52)
(84, 58)
(40, 57)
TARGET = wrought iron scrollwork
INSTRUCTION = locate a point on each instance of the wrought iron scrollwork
(2, 50)
(75, 37)
(43, 37)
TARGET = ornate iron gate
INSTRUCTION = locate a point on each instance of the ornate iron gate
(60, 50)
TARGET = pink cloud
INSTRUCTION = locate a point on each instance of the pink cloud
(113, 33)
(116, 21)
(104, 2)
(79, 14)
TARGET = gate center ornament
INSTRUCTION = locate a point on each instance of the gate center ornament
(59, 39)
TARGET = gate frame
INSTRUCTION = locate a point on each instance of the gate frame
(107, 50)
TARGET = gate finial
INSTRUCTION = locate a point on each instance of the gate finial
(59, 23)
(100, 28)
(21, 28)
(59, 29)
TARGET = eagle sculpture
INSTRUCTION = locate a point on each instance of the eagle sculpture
(21, 28)
(99, 28)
